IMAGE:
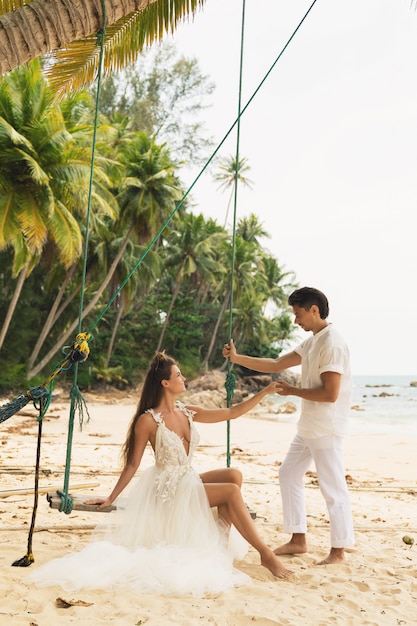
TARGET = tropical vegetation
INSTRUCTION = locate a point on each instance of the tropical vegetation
(123, 253)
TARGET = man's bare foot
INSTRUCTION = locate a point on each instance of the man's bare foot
(336, 556)
(271, 562)
(292, 547)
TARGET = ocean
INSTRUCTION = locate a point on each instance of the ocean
(380, 404)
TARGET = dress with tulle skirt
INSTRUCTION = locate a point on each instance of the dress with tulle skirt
(164, 539)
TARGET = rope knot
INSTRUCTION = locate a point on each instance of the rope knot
(230, 384)
(100, 37)
(66, 502)
(80, 348)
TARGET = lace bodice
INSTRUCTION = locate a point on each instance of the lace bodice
(171, 458)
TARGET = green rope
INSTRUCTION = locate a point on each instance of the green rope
(8, 410)
(76, 398)
(75, 354)
(78, 404)
(197, 178)
(230, 383)
(14, 406)
(78, 352)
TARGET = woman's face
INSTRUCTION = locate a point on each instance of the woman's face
(176, 382)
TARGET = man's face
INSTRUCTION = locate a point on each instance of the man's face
(305, 319)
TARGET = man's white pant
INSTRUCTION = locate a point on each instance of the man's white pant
(326, 452)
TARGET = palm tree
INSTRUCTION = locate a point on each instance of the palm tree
(246, 264)
(249, 323)
(191, 253)
(150, 271)
(230, 173)
(149, 191)
(42, 177)
(250, 229)
(148, 195)
(276, 289)
(72, 30)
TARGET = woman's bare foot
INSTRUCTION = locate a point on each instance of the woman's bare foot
(296, 545)
(336, 556)
(271, 562)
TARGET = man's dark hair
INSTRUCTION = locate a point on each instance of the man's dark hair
(307, 296)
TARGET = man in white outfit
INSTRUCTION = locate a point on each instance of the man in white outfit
(325, 394)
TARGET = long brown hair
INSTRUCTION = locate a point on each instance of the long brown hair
(159, 370)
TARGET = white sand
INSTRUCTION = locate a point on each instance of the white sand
(377, 585)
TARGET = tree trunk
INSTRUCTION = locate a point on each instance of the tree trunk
(51, 319)
(13, 303)
(205, 362)
(62, 339)
(39, 27)
(66, 303)
(115, 329)
(171, 306)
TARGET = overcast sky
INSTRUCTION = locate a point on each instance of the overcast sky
(331, 139)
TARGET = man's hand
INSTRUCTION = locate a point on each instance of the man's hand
(274, 387)
(286, 389)
(229, 351)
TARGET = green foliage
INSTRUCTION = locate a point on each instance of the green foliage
(111, 376)
(179, 296)
(13, 376)
(163, 95)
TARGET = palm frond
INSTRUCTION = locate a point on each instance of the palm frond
(77, 65)
(65, 231)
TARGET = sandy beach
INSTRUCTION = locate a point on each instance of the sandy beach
(376, 586)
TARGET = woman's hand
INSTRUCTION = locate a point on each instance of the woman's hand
(285, 389)
(102, 502)
(274, 387)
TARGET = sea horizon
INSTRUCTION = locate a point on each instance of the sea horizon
(381, 403)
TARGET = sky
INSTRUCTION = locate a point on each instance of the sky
(331, 141)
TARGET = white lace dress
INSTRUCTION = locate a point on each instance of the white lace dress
(164, 540)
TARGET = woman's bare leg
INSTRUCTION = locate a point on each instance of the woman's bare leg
(224, 475)
(228, 495)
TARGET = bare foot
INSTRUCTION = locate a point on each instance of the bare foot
(336, 556)
(275, 566)
(292, 547)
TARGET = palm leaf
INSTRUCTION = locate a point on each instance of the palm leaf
(77, 64)
(65, 231)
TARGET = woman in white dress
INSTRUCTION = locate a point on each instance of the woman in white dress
(165, 539)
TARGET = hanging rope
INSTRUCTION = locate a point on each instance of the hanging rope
(26, 560)
(78, 352)
(7, 411)
(75, 354)
(78, 405)
(197, 178)
(230, 382)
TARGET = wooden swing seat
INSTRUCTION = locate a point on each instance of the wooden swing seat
(78, 503)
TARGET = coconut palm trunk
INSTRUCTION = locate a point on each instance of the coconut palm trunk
(116, 325)
(13, 303)
(204, 365)
(55, 24)
(61, 340)
(32, 29)
(52, 317)
(175, 292)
